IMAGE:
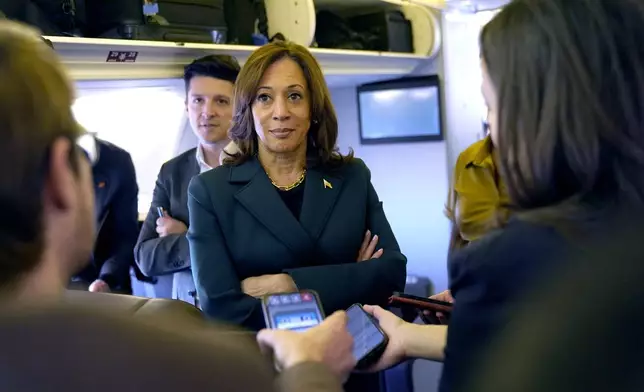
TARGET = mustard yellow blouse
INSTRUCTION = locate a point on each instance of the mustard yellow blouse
(478, 196)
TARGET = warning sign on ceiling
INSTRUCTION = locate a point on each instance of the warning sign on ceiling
(121, 57)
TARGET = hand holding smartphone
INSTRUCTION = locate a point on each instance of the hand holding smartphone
(302, 310)
(422, 305)
(369, 340)
(296, 311)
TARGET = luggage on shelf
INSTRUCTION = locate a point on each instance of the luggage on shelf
(247, 21)
(161, 20)
(388, 31)
(384, 31)
(51, 17)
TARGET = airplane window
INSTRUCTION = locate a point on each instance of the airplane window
(146, 122)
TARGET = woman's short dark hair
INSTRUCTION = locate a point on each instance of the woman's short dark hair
(323, 134)
(569, 77)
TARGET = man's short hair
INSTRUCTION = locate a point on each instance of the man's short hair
(35, 110)
(216, 66)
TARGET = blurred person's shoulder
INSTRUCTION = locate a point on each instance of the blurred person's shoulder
(159, 356)
(514, 251)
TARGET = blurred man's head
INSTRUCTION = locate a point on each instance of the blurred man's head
(209, 96)
(46, 193)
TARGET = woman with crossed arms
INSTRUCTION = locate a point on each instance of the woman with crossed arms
(287, 211)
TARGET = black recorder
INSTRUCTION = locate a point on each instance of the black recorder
(302, 310)
(297, 311)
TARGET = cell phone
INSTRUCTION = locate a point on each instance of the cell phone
(296, 311)
(160, 212)
(369, 340)
(401, 300)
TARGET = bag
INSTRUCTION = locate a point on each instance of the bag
(158, 20)
(242, 17)
(334, 32)
(387, 31)
(51, 17)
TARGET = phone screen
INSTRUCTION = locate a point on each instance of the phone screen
(367, 337)
(292, 311)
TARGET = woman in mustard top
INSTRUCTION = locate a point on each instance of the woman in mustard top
(478, 198)
(477, 203)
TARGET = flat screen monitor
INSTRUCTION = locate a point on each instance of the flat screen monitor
(403, 110)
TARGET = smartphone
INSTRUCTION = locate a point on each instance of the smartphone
(401, 300)
(297, 311)
(369, 340)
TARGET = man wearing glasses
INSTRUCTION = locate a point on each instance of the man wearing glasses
(46, 192)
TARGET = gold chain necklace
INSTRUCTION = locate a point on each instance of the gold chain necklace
(289, 187)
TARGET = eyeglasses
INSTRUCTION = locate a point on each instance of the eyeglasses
(89, 145)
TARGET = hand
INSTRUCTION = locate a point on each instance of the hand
(439, 317)
(368, 248)
(260, 286)
(396, 330)
(329, 343)
(99, 286)
(445, 296)
(167, 225)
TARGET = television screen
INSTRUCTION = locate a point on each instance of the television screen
(400, 111)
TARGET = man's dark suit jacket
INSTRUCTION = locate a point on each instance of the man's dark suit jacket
(489, 280)
(116, 193)
(157, 256)
(241, 228)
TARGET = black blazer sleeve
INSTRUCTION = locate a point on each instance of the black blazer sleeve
(367, 282)
(123, 224)
(157, 256)
(212, 262)
(488, 279)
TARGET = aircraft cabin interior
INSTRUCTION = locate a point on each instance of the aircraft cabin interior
(130, 93)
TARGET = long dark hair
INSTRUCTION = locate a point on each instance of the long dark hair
(569, 77)
(323, 134)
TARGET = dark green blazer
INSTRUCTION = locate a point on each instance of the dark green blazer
(240, 228)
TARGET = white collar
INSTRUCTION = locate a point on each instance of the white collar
(201, 160)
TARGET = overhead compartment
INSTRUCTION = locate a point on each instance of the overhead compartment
(296, 20)
(110, 59)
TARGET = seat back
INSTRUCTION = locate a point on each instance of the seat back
(135, 306)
